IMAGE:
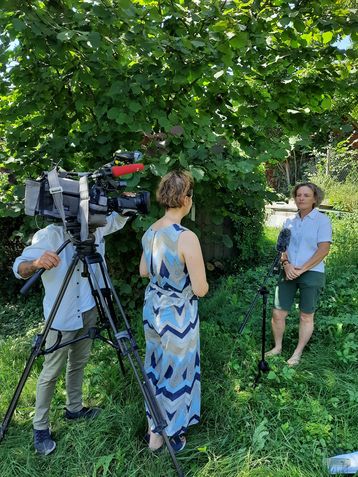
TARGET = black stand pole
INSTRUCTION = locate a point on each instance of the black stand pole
(263, 366)
(122, 341)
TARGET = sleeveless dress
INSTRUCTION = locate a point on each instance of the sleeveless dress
(171, 327)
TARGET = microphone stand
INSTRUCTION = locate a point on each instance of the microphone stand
(282, 244)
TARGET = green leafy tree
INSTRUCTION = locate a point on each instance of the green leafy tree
(219, 87)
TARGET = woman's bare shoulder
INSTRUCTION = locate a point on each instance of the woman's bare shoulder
(188, 237)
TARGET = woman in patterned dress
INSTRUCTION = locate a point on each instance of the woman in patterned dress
(173, 261)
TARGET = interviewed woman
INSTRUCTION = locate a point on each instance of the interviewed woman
(173, 261)
(303, 267)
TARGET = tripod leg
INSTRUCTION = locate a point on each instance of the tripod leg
(39, 343)
(11, 409)
(151, 402)
(124, 339)
(106, 296)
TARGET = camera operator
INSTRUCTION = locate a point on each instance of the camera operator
(76, 314)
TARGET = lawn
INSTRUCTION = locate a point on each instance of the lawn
(286, 426)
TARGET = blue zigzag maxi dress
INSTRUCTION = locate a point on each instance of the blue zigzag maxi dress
(171, 327)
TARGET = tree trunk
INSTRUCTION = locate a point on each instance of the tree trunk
(287, 170)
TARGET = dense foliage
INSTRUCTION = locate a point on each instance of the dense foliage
(286, 426)
(337, 173)
(218, 87)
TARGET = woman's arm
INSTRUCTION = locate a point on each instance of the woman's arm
(317, 257)
(321, 252)
(143, 271)
(190, 251)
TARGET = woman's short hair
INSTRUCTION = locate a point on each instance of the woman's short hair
(317, 191)
(173, 187)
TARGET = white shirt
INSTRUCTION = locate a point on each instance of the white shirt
(78, 297)
(306, 234)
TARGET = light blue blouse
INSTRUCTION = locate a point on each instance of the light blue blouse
(306, 234)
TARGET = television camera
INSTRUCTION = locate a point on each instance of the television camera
(86, 198)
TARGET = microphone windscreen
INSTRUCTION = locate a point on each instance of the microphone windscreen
(283, 240)
(118, 171)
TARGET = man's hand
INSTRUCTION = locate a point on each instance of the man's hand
(47, 261)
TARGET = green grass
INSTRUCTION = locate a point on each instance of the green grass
(286, 426)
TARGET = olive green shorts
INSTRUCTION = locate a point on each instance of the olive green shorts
(310, 285)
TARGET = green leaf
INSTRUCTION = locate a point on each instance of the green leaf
(102, 12)
(299, 25)
(239, 40)
(158, 169)
(113, 113)
(220, 26)
(327, 37)
(272, 375)
(135, 106)
(245, 166)
(198, 44)
(197, 173)
(65, 35)
(285, 21)
(202, 449)
(94, 39)
(326, 103)
(118, 115)
(19, 25)
(260, 435)
(133, 181)
(183, 160)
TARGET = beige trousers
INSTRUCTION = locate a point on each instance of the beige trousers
(76, 355)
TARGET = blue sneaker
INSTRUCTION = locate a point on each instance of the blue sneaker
(43, 442)
(85, 412)
(178, 443)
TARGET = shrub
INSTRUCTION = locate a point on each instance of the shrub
(344, 251)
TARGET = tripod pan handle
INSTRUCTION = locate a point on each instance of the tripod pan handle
(32, 280)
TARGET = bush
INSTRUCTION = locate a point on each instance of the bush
(340, 185)
(340, 195)
(344, 250)
(10, 247)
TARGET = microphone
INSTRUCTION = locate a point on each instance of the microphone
(283, 240)
(118, 171)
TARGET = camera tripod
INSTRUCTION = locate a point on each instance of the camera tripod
(122, 341)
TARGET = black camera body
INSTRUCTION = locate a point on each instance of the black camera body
(98, 189)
